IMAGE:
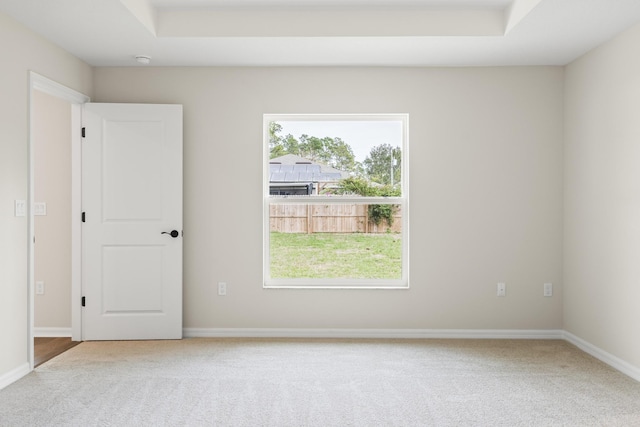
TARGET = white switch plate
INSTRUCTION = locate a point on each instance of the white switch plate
(21, 208)
(502, 289)
(548, 289)
(222, 288)
(40, 208)
(39, 288)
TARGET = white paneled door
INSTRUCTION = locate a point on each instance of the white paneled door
(132, 221)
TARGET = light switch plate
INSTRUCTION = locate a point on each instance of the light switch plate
(40, 208)
(21, 208)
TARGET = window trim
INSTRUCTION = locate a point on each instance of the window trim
(403, 201)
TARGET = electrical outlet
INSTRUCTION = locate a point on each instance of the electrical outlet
(222, 288)
(39, 288)
(502, 290)
(548, 289)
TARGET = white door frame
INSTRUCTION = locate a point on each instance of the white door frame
(48, 86)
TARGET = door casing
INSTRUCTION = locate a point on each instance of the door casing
(76, 99)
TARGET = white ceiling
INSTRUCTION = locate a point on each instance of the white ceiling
(326, 32)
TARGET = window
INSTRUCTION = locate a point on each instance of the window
(335, 201)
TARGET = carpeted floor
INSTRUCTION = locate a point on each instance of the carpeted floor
(251, 382)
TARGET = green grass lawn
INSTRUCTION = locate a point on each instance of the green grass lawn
(329, 255)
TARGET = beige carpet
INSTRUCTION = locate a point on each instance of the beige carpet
(244, 382)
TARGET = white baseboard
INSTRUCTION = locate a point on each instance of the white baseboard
(608, 358)
(51, 332)
(14, 375)
(370, 333)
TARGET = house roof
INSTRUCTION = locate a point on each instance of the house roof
(292, 168)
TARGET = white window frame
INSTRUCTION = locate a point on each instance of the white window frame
(403, 202)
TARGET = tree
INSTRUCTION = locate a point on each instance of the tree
(329, 151)
(276, 148)
(291, 145)
(383, 159)
(343, 157)
(333, 152)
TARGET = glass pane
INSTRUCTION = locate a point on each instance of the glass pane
(352, 157)
(335, 241)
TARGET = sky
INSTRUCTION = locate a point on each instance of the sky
(362, 136)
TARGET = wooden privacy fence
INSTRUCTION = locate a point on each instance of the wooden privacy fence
(333, 218)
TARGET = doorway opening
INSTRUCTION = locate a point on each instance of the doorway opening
(46, 94)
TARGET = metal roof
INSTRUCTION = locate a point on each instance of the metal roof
(292, 168)
(301, 173)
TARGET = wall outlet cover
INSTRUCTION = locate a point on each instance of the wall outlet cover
(222, 288)
(502, 290)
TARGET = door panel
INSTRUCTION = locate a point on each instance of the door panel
(132, 193)
(132, 279)
(133, 151)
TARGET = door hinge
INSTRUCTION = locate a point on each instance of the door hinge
(84, 301)
(83, 132)
(84, 217)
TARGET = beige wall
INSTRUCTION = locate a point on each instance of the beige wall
(490, 183)
(602, 197)
(21, 51)
(52, 159)
(486, 191)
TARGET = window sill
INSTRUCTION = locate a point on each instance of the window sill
(336, 284)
